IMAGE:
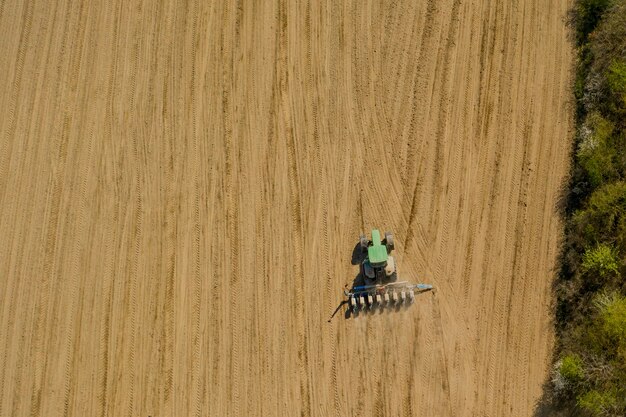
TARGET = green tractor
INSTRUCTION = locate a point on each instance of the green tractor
(380, 278)
(378, 267)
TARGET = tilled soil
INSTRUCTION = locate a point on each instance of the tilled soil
(182, 185)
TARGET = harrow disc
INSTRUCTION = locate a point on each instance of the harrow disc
(370, 296)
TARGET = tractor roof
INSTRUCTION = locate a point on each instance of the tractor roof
(377, 253)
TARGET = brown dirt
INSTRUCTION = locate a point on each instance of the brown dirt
(182, 185)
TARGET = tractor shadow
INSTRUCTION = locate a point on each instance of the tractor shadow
(358, 255)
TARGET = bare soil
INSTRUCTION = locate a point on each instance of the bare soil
(182, 184)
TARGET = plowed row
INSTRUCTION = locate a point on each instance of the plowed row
(182, 185)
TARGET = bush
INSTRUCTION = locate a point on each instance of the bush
(595, 151)
(613, 318)
(571, 368)
(602, 337)
(601, 260)
(609, 38)
(616, 81)
(604, 217)
(616, 77)
(600, 59)
(597, 403)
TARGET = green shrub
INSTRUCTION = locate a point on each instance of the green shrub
(604, 217)
(600, 59)
(607, 42)
(616, 81)
(616, 77)
(613, 317)
(603, 335)
(600, 260)
(571, 368)
(595, 151)
(598, 403)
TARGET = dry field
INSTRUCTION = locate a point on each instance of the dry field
(182, 184)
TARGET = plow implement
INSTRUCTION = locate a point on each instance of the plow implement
(393, 294)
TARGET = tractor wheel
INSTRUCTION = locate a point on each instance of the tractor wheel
(389, 241)
(364, 243)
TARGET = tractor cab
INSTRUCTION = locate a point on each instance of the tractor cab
(377, 252)
(378, 265)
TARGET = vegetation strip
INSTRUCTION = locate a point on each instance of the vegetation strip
(590, 372)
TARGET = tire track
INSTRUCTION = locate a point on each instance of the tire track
(104, 343)
(108, 288)
(134, 271)
(7, 143)
(232, 224)
(295, 207)
(73, 326)
(14, 289)
(41, 302)
(170, 231)
(41, 297)
(44, 290)
(196, 342)
(442, 128)
(428, 34)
